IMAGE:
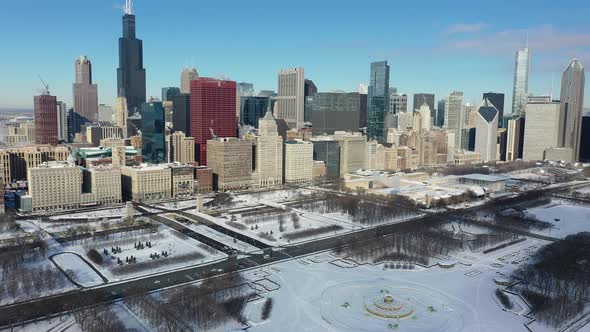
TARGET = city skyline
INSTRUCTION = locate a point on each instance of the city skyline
(450, 40)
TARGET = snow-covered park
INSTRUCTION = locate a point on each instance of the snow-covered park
(162, 250)
(316, 294)
(566, 217)
(78, 269)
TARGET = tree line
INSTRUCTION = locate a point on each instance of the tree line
(556, 284)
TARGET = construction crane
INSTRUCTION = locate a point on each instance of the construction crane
(44, 91)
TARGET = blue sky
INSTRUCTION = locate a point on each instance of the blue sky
(431, 46)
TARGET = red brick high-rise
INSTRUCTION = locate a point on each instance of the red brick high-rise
(46, 119)
(213, 112)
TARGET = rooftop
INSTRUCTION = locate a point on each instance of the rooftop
(484, 177)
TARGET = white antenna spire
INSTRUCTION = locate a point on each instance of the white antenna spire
(128, 7)
(527, 37)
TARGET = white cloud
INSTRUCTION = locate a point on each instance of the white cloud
(465, 28)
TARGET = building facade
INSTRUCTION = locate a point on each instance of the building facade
(181, 113)
(55, 186)
(291, 97)
(486, 131)
(377, 100)
(334, 111)
(352, 151)
(183, 180)
(268, 170)
(454, 115)
(252, 109)
(46, 120)
(213, 112)
(328, 151)
(540, 131)
(186, 76)
(121, 115)
(572, 107)
(514, 139)
(146, 183)
(101, 186)
(497, 99)
(153, 122)
(131, 74)
(298, 162)
(520, 88)
(231, 161)
(182, 148)
(85, 94)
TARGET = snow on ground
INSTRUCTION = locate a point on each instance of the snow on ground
(217, 236)
(316, 295)
(67, 323)
(250, 199)
(566, 217)
(59, 226)
(192, 203)
(182, 251)
(107, 213)
(584, 190)
(269, 231)
(78, 269)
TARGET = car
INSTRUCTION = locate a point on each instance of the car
(157, 282)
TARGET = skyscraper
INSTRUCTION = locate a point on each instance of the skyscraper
(85, 94)
(333, 111)
(212, 112)
(244, 90)
(121, 114)
(454, 115)
(169, 93)
(497, 99)
(486, 131)
(153, 140)
(440, 113)
(269, 153)
(186, 76)
(378, 100)
(291, 97)
(309, 89)
(572, 107)
(131, 74)
(62, 121)
(421, 98)
(541, 131)
(521, 81)
(252, 109)
(46, 119)
(398, 103)
(515, 138)
(105, 113)
(181, 120)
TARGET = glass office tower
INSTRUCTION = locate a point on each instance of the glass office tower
(252, 109)
(153, 148)
(521, 81)
(378, 100)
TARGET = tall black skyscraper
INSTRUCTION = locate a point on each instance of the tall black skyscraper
(131, 74)
(497, 99)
